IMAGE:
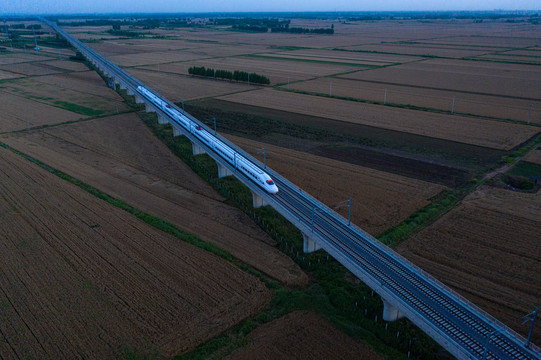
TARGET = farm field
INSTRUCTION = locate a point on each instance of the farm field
(301, 335)
(149, 58)
(19, 112)
(390, 160)
(21, 56)
(534, 157)
(488, 250)
(64, 91)
(278, 71)
(480, 105)
(121, 157)
(176, 87)
(496, 135)
(338, 57)
(81, 278)
(419, 50)
(381, 200)
(505, 80)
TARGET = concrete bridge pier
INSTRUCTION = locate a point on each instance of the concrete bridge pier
(308, 244)
(128, 90)
(176, 131)
(258, 201)
(223, 171)
(197, 150)
(139, 100)
(149, 108)
(162, 120)
(390, 313)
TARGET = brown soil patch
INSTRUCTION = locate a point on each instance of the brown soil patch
(60, 91)
(121, 157)
(278, 71)
(81, 278)
(420, 50)
(489, 250)
(380, 200)
(534, 156)
(302, 335)
(484, 105)
(17, 111)
(511, 80)
(497, 135)
(87, 82)
(177, 87)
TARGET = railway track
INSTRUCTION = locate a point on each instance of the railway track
(459, 326)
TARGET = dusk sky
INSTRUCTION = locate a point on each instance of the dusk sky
(138, 6)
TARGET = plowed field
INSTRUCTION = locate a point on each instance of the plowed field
(80, 278)
(302, 335)
(489, 249)
(121, 157)
(381, 200)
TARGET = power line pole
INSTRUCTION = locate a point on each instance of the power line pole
(530, 317)
(453, 106)
(385, 97)
(330, 90)
(530, 113)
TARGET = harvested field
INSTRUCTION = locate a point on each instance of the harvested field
(488, 249)
(506, 80)
(8, 75)
(50, 91)
(491, 40)
(534, 156)
(81, 278)
(418, 50)
(381, 200)
(20, 57)
(302, 335)
(523, 59)
(18, 112)
(176, 87)
(338, 57)
(136, 46)
(452, 154)
(31, 69)
(482, 105)
(496, 135)
(275, 70)
(121, 157)
(68, 65)
(87, 82)
(149, 58)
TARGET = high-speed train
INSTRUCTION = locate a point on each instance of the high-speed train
(242, 164)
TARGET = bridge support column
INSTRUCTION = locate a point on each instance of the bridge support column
(309, 245)
(149, 108)
(197, 150)
(223, 171)
(176, 132)
(390, 313)
(139, 100)
(128, 90)
(258, 201)
(162, 120)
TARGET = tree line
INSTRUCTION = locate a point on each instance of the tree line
(229, 75)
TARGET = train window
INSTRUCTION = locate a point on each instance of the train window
(270, 182)
(198, 128)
